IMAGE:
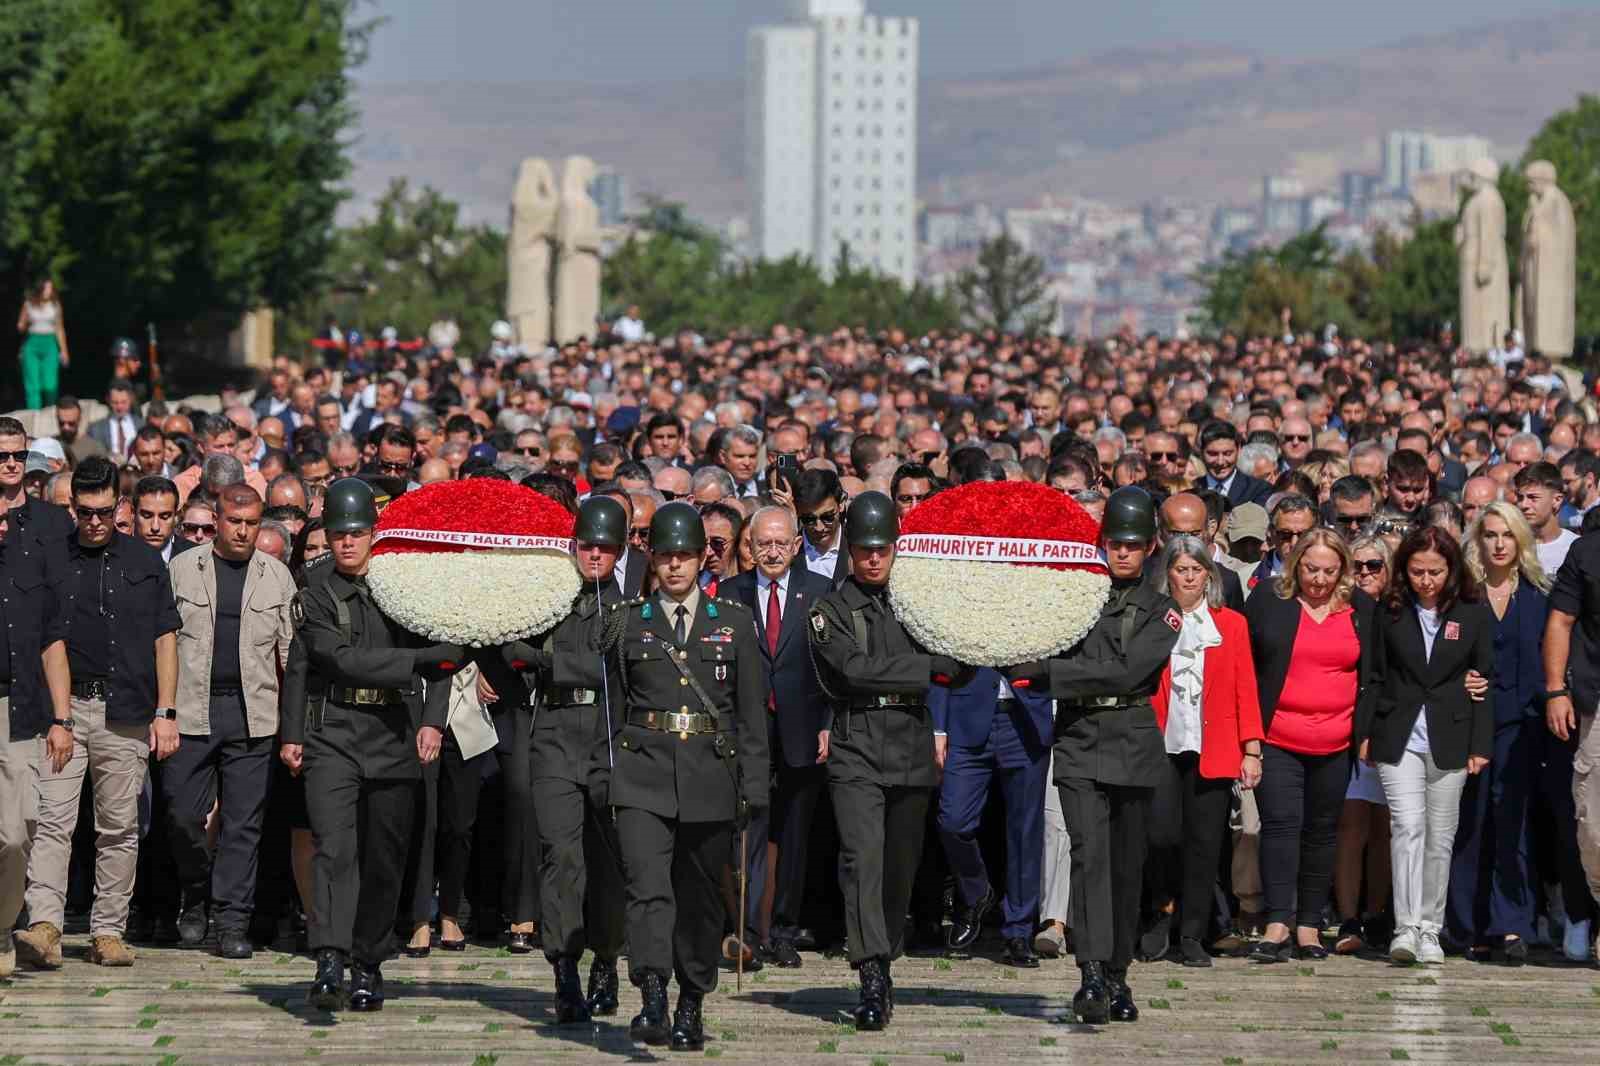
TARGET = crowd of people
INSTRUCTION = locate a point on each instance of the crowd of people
(1371, 717)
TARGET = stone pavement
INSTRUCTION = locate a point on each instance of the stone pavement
(488, 1007)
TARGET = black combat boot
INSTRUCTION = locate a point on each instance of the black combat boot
(1092, 1004)
(193, 923)
(602, 987)
(1123, 1008)
(872, 1013)
(327, 990)
(688, 1029)
(649, 1026)
(366, 987)
(888, 993)
(571, 1009)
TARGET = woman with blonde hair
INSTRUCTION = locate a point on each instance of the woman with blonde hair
(44, 345)
(1324, 472)
(1491, 903)
(1311, 639)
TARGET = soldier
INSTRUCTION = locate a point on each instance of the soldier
(1109, 753)
(882, 767)
(566, 667)
(688, 699)
(362, 753)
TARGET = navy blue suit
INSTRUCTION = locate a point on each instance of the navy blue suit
(797, 713)
(990, 738)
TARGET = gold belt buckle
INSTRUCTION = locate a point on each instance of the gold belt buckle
(682, 723)
(365, 696)
(583, 695)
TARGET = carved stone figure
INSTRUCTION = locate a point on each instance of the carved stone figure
(578, 238)
(1484, 271)
(534, 208)
(1549, 264)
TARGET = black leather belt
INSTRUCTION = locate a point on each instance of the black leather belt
(89, 690)
(905, 702)
(224, 693)
(1104, 703)
(685, 724)
(572, 697)
(366, 697)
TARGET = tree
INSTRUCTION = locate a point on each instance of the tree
(170, 159)
(1006, 289)
(1416, 288)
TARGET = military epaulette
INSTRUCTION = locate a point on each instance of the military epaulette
(636, 601)
(731, 603)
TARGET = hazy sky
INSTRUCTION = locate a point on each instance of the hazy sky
(655, 40)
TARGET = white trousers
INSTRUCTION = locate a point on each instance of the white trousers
(1424, 807)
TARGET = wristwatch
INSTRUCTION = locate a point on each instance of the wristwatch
(1555, 694)
(169, 713)
(64, 723)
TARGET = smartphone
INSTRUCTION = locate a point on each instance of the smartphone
(784, 470)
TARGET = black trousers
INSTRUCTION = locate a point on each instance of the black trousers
(461, 786)
(519, 853)
(1300, 797)
(236, 775)
(788, 824)
(1188, 821)
(581, 873)
(362, 827)
(673, 876)
(881, 831)
(415, 901)
(1107, 824)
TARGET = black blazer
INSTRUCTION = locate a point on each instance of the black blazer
(802, 709)
(1243, 489)
(1274, 623)
(1407, 679)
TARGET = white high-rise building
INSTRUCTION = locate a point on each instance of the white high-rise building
(831, 136)
(1408, 153)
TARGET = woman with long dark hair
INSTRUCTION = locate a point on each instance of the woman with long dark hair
(1431, 726)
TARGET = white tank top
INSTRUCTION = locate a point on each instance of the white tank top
(41, 318)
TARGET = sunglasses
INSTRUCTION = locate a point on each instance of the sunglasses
(718, 545)
(101, 513)
(395, 468)
(14, 457)
(639, 534)
(1297, 438)
(199, 529)
(562, 466)
(1353, 520)
(670, 497)
(1162, 457)
(821, 518)
(1368, 566)
(532, 453)
(347, 471)
(911, 500)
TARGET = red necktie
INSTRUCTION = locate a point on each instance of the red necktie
(774, 616)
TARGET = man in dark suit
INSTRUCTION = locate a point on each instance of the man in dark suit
(989, 730)
(779, 592)
(1293, 517)
(1219, 448)
(115, 432)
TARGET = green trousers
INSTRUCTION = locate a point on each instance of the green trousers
(41, 370)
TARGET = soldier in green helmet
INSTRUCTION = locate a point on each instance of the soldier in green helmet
(689, 738)
(565, 733)
(361, 751)
(882, 770)
(1109, 753)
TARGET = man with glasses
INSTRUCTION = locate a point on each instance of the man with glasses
(644, 509)
(397, 453)
(528, 447)
(122, 646)
(912, 483)
(1168, 464)
(566, 461)
(819, 502)
(1352, 502)
(1292, 517)
(48, 526)
(674, 483)
(722, 524)
(344, 456)
(1294, 439)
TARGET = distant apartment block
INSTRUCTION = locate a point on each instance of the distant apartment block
(1407, 154)
(609, 191)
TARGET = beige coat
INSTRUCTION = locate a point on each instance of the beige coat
(265, 631)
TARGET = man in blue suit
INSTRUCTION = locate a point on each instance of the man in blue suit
(988, 730)
(780, 592)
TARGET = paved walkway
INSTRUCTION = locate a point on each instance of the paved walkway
(487, 1007)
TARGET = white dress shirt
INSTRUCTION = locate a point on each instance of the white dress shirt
(822, 562)
(765, 588)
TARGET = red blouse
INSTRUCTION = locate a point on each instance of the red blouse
(1317, 709)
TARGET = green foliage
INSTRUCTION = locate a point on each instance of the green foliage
(1006, 290)
(1416, 288)
(169, 159)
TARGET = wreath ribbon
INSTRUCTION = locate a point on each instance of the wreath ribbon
(468, 539)
(996, 549)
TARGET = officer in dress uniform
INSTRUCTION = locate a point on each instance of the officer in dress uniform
(689, 700)
(881, 763)
(363, 760)
(1109, 753)
(565, 669)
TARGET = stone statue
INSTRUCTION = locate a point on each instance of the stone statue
(534, 206)
(578, 238)
(1549, 265)
(1484, 274)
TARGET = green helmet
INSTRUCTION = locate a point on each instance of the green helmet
(871, 521)
(602, 520)
(1130, 516)
(123, 348)
(676, 527)
(348, 506)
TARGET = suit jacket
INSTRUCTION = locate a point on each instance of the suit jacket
(802, 709)
(1230, 710)
(100, 430)
(1518, 690)
(1408, 678)
(1274, 622)
(966, 714)
(1244, 489)
(634, 565)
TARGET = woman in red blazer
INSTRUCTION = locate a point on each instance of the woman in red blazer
(1207, 709)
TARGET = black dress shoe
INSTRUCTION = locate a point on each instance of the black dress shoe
(805, 939)
(688, 1029)
(520, 943)
(1019, 952)
(871, 1014)
(366, 988)
(1156, 940)
(327, 988)
(650, 1025)
(602, 997)
(1513, 951)
(1272, 950)
(1310, 952)
(781, 953)
(192, 925)
(1091, 1005)
(234, 944)
(571, 1008)
(452, 945)
(411, 952)
(1194, 952)
(969, 921)
(1122, 1009)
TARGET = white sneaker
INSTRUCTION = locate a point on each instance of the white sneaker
(1431, 953)
(1405, 946)
(1575, 945)
(8, 959)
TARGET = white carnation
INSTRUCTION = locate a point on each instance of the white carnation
(995, 614)
(475, 598)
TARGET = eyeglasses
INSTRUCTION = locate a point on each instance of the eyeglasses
(14, 457)
(718, 545)
(101, 513)
(397, 469)
(197, 529)
(910, 499)
(820, 518)
(1368, 566)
